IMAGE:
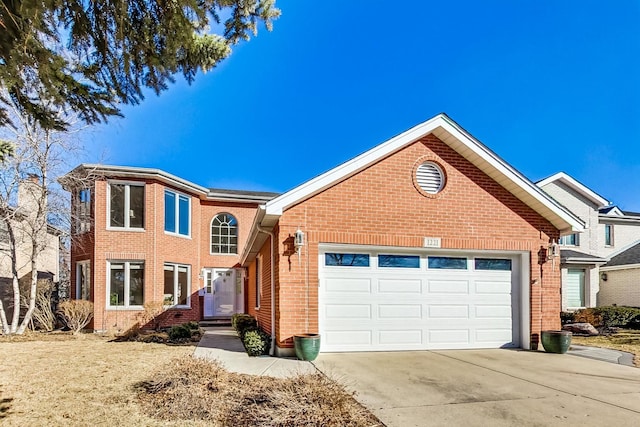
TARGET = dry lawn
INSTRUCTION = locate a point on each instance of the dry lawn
(625, 340)
(60, 380)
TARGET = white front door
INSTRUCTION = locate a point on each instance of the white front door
(220, 292)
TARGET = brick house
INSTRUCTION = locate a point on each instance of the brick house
(144, 236)
(427, 241)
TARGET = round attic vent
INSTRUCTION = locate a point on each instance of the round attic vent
(430, 177)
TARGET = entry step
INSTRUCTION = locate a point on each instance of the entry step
(215, 322)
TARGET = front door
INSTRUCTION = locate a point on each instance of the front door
(575, 288)
(220, 292)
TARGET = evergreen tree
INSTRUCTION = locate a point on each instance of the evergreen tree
(89, 56)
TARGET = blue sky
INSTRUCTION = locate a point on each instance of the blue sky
(549, 86)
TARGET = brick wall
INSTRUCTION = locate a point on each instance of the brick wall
(382, 206)
(622, 288)
(154, 247)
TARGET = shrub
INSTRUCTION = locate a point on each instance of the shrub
(243, 323)
(567, 317)
(179, 332)
(76, 314)
(193, 325)
(256, 342)
(150, 315)
(610, 317)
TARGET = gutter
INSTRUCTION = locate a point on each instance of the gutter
(273, 289)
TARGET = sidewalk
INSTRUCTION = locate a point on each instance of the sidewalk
(603, 354)
(223, 344)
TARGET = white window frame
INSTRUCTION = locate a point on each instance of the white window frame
(611, 238)
(127, 204)
(563, 240)
(211, 235)
(83, 211)
(127, 283)
(175, 284)
(177, 213)
(80, 266)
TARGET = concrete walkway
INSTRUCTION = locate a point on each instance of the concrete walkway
(222, 344)
(602, 354)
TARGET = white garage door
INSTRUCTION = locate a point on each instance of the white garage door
(378, 301)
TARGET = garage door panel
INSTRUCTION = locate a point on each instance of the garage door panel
(343, 285)
(403, 337)
(400, 311)
(398, 285)
(383, 309)
(448, 286)
(348, 311)
(449, 311)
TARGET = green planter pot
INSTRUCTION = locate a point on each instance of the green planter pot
(307, 346)
(556, 341)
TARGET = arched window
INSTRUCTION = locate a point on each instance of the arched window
(224, 234)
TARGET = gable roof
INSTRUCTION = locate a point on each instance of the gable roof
(575, 186)
(455, 137)
(630, 256)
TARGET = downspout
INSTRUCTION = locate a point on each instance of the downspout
(273, 290)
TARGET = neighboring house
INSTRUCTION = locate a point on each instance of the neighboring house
(608, 231)
(620, 279)
(48, 260)
(427, 241)
(143, 236)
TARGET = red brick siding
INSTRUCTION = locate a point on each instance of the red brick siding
(381, 206)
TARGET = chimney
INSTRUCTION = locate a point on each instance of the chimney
(29, 193)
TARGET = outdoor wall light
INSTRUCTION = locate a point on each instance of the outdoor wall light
(603, 276)
(298, 240)
(553, 250)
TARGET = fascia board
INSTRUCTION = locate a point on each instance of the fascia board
(600, 201)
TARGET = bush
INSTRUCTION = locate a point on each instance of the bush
(610, 317)
(242, 323)
(567, 317)
(193, 325)
(76, 314)
(256, 342)
(179, 332)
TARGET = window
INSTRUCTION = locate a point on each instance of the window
(608, 235)
(224, 234)
(126, 284)
(442, 262)
(177, 286)
(430, 177)
(177, 213)
(83, 211)
(346, 260)
(83, 280)
(126, 205)
(258, 280)
(400, 261)
(493, 264)
(570, 240)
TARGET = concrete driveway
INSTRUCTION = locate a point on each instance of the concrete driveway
(488, 387)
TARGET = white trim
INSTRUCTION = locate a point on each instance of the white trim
(127, 285)
(79, 265)
(600, 201)
(475, 152)
(620, 267)
(127, 202)
(176, 212)
(175, 266)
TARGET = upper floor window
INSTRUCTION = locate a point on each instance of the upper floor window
(177, 213)
(126, 205)
(83, 211)
(570, 240)
(608, 234)
(224, 234)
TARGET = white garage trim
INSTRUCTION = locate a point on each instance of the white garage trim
(366, 306)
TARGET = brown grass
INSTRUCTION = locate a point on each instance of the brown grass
(624, 340)
(193, 389)
(62, 380)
